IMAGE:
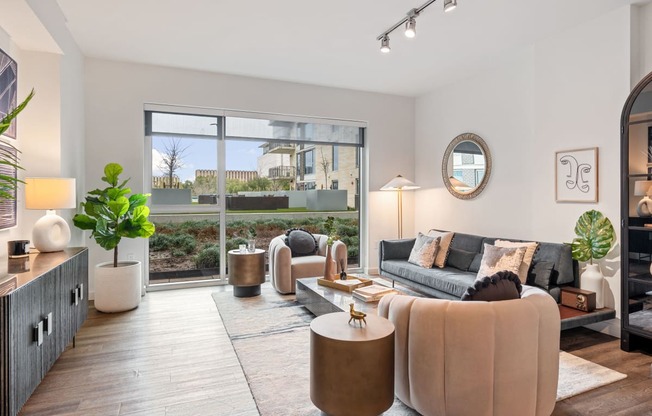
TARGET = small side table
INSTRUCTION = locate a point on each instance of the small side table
(246, 272)
(351, 367)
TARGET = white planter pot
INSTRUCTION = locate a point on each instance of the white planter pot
(593, 280)
(117, 289)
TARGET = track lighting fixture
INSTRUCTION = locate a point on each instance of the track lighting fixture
(411, 28)
(410, 22)
(449, 5)
(384, 44)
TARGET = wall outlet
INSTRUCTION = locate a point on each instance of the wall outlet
(130, 256)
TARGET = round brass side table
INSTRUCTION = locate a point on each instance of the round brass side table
(246, 272)
(351, 367)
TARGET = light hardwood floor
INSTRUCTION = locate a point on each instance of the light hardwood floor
(172, 356)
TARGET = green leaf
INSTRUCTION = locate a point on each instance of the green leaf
(6, 120)
(140, 214)
(115, 193)
(111, 173)
(119, 207)
(84, 222)
(137, 200)
(595, 236)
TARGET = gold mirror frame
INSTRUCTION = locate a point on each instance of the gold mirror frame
(466, 137)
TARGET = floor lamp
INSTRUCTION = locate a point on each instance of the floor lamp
(400, 184)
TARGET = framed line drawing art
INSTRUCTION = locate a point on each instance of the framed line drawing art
(8, 90)
(576, 175)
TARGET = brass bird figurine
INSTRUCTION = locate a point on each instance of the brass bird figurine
(357, 316)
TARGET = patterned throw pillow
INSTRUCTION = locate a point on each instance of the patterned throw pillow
(424, 251)
(530, 248)
(444, 245)
(496, 259)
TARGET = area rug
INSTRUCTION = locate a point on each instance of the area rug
(271, 337)
(577, 375)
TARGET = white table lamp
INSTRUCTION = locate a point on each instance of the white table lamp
(644, 189)
(400, 184)
(51, 232)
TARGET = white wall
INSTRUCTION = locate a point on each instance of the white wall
(564, 92)
(50, 129)
(115, 93)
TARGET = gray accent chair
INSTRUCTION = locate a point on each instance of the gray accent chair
(284, 269)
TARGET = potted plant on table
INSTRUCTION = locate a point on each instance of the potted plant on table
(595, 238)
(112, 214)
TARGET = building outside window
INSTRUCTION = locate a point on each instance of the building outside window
(335, 158)
(335, 185)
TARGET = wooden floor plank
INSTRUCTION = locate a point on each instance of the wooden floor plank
(173, 357)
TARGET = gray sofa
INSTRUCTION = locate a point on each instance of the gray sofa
(451, 283)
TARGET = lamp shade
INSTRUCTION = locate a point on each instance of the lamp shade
(642, 187)
(399, 183)
(50, 193)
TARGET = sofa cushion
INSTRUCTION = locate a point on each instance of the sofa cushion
(503, 285)
(560, 255)
(447, 280)
(308, 266)
(460, 259)
(496, 259)
(424, 251)
(468, 242)
(541, 274)
(530, 248)
(444, 245)
(301, 242)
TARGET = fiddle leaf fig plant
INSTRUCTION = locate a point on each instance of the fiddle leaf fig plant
(595, 237)
(112, 214)
(9, 155)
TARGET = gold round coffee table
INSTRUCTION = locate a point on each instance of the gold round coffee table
(351, 367)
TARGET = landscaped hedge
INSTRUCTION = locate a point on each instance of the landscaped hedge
(196, 240)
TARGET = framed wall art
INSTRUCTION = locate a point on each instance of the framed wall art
(8, 203)
(576, 175)
(8, 90)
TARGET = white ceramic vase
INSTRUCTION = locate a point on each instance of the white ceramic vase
(592, 279)
(117, 289)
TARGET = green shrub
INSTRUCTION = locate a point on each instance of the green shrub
(159, 242)
(208, 258)
(232, 244)
(178, 253)
(183, 242)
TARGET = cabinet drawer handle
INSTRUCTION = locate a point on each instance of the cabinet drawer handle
(48, 323)
(75, 296)
(38, 333)
(80, 291)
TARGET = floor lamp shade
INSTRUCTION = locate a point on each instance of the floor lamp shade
(400, 184)
(51, 232)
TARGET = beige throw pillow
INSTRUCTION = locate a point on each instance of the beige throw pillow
(497, 259)
(530, 248)
(424, 251)
(444, 246)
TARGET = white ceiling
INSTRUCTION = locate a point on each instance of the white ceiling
(330, 43)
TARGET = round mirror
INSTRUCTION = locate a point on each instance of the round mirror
(466, 166)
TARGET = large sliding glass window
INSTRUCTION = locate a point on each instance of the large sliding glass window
(219, 178)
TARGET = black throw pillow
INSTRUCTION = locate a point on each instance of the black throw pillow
(541, 274)
(301, 242)
(460, 259)
(503, 285)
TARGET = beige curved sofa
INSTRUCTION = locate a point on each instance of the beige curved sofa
(284, 269)
(476, 358)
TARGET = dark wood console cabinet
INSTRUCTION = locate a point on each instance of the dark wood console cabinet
(41, 310)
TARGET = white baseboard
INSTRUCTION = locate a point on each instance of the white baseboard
(374, 271)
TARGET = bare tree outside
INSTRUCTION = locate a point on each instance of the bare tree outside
(172, 159)
(324, 164)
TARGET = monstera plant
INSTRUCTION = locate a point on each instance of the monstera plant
(9, 154)
(595, 237)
